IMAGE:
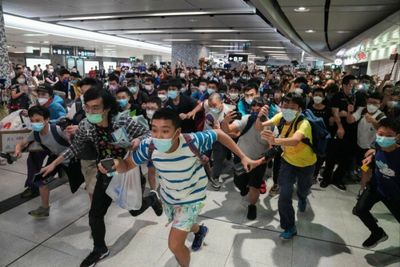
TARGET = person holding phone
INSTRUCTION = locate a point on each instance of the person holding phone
(101, 122)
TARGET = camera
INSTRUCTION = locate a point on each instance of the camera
(271, 153)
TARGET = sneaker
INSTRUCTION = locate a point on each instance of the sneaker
(323, 184)
(94, 257)
(199, 238)
(274, 190)
(215, 183)
(244, 192)
(157, 206)
(341, 187)
(263, 188)
(40, 212)
(29, 193)
(251, 212)
(375, 238)
(289, 233)
(302, 204)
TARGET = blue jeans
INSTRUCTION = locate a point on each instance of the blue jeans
(287, 177)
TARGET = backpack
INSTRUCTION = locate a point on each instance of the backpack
(59, 139)
(204, 160)
(320, 135)
(80, 112)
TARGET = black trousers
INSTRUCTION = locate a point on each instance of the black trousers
(100, 203)
(340, 152)
(367, 200)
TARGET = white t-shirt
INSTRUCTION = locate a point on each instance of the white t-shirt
(211, 117)
(366, 132)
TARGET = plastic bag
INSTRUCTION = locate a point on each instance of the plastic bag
(15, 121)
(126, 190)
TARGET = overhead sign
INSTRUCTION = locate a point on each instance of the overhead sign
(62, 50)
(338, 61)
(238, 58)
(86, 53)
(361, 56)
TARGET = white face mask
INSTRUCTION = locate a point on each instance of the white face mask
(298, 91)
(289, 114)
(21, 80)
(182, 75)
(150, 113)
(148, 87)
(318, 99)
(42, 100)
(372, 108)
(234, 96)
(202, 88)
(162, 97)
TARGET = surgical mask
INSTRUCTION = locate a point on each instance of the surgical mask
(318, 99)
(245, 77)
(224, 81)
(385, 142)
(42, 100)
(37, 126)
(215, 111)
(94, 118)
(372, 108)
(210, 91)
(162, 145)
(133, 89)
(202, 88)
(112, 87)
(50, 71)
(162, 97)
(249, 100)
(123, 102)
(234, 96)
(298, 91)
(392, 104)
(173, 94)
(328, 77)
(150, 113)
(182, 75)
(148, 87)
(183, 89)
(289, 114)
(21, 80)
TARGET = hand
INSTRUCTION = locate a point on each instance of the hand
(230, 116)
(369, 118)
(343, 113)
(71, 130)
(190, 116)
(183, 116)
(268, 136)
(370, 152)
(135, 144)
(248, 164)
(350, 108)
(17, 154)
(216, 125)
(368, 160)
(264, 111)
(340, 133)
(103, 170)
(45, 171)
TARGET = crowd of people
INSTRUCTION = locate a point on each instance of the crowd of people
(308, 126)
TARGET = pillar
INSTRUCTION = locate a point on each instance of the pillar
(152, 59)
(189, 54)
(4, 60)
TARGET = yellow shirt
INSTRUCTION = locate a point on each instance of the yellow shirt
(300, 155)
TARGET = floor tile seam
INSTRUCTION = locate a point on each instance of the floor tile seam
(12, 171)
(48, 238)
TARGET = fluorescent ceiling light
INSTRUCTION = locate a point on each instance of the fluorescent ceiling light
(177, 40)
(302, 9)
(220, 46)
(214, 30)
(34, 34)
(276, 52)
(270, 47)
(310, 31)
(232, 40)
(58, 30)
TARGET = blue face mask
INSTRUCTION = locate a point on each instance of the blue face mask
(123, 102)
(210, 91)
(133, 89)
(173, 94)
(385, 142)
(37, 126)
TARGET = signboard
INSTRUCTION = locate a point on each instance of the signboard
(237, 58)
(361, 56)
(10, 138)
(338, 61)
(86, 53)
(62, 50)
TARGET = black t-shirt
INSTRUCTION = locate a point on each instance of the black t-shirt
(324, 113)
(142, 97)
(341, 101)
(185, 105)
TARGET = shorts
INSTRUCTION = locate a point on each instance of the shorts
(89, 171)
(253, 178)
(183, 217)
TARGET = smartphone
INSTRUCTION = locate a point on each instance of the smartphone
(108, 164)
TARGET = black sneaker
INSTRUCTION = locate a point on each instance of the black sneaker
(375, 238)
(341, 187)
(29, 193)
(94, 257)
(251, 212)
(156, 205)
(199, 238)
(323, 184)
(216, 185)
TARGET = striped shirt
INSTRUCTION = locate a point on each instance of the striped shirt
(183, 179)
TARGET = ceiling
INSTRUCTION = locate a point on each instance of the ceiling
(328, 25)
(232, 25)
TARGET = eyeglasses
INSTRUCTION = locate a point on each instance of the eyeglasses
(93, 109)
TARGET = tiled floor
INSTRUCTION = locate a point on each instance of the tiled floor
(329, 235)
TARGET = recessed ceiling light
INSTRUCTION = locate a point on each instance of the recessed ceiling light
(310, 31)
(193, 20)
(340, 32)
(302, 9)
